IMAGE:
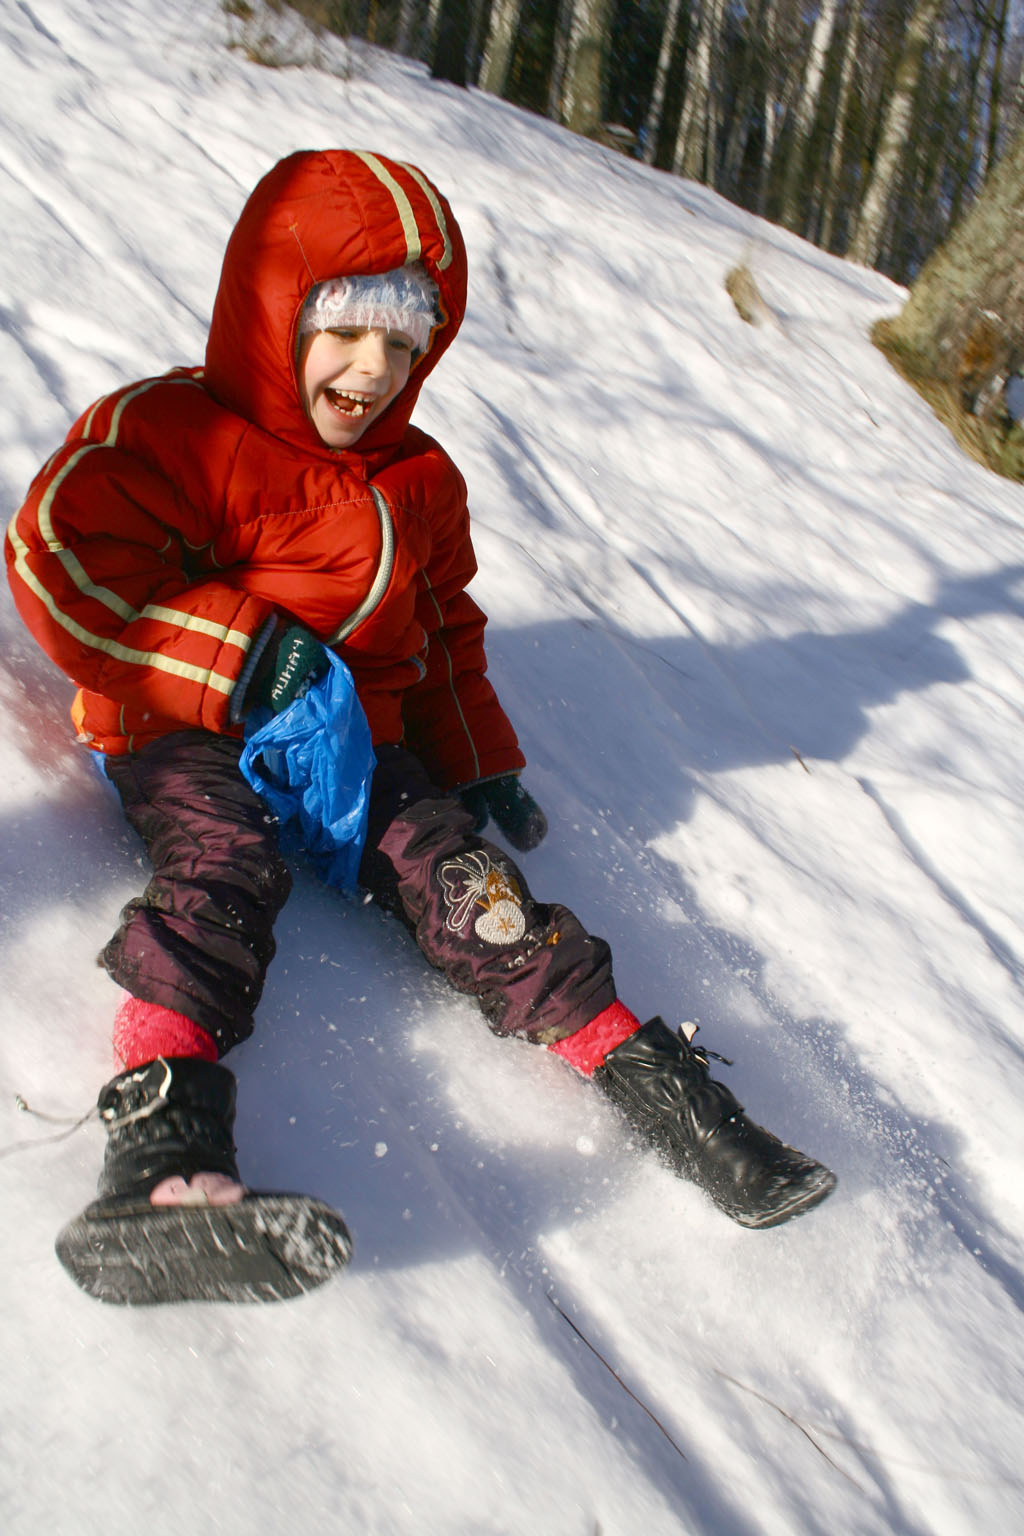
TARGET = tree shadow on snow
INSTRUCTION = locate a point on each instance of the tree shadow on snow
(625, 706)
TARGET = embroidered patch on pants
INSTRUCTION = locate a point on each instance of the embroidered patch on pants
(473, 880)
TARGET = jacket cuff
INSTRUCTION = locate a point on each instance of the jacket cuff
(262, 639)
(486, 778)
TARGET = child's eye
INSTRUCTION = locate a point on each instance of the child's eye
(346, 333)
(399, 341)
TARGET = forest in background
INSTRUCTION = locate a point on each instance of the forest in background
(865, 126)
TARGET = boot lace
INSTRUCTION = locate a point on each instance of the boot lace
(686, 1033)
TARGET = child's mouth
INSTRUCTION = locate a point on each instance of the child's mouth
(348, 405)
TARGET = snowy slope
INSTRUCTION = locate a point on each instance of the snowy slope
(758, 621)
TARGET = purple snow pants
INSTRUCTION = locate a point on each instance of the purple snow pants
(200, 937)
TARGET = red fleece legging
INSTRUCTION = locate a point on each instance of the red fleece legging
(588, 1047)
(143, 1031)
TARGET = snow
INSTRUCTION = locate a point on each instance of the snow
(758, 621)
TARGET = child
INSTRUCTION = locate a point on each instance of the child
(187, 555)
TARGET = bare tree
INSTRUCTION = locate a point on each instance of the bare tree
(867, 239)
(695, 139)
(582, 87)
(559, 56)
(772, 104)
(500, 45)
(652, 125)
(996, 87)
(806, 111)
(830, 192)
(408, 38)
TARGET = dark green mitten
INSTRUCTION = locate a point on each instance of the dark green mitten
(290, 661)
(513, 808)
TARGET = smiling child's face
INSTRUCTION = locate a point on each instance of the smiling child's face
(348, 378)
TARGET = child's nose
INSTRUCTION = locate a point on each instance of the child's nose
(372, 354)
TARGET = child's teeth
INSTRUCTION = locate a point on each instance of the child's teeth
(348, 403)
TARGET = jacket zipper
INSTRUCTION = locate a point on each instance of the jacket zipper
(384, 569)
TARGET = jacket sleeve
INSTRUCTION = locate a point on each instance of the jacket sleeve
(98, 560)
(453, 720)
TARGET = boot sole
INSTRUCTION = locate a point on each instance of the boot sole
(803, 1197)
(265, 1248)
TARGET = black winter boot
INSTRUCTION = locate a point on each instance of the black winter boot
(665, 1089)
(175, 1116)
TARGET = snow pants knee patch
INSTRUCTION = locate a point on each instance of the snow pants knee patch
(200, 937)
(534, 969)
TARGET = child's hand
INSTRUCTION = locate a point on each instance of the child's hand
(289, 664)
(513, 808)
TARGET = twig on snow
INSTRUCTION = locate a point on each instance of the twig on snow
(739, 1385)
(611, 1369)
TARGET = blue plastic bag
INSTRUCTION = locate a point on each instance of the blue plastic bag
(312, 764)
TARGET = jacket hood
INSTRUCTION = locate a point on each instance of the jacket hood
(322, 214)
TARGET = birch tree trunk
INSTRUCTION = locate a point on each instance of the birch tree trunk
(693, 155)
(583, 86)
(867, 239)
(806, 111)
(833, 174)
(996, 92)
(771, 104)
(408, 25)
(560, 53)
(652, 125)
(501, 42)
(430, 31)
(1017, 105)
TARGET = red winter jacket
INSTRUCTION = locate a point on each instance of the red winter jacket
(183, 511)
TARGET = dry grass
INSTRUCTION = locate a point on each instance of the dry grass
(285, 34)
(994, 441)
(742, 288)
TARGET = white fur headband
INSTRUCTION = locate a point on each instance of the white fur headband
(404, 299)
